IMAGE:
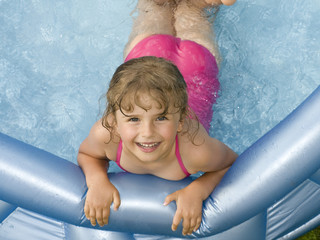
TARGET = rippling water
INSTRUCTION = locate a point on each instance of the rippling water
(57, 57)
(271, 52)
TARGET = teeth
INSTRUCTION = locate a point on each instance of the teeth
(147, 145)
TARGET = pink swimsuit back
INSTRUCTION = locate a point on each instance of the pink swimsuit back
(196, 64)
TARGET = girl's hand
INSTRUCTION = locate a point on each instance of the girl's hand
(189, 209)
(100, 196)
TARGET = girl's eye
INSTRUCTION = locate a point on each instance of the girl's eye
(133, 119)
(162, 118)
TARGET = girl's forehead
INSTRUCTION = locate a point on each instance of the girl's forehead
(138, 110)
(144, 100)
(147, 102)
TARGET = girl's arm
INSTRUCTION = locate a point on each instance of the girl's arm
(212, 157)
(94, 163)
(189, 201)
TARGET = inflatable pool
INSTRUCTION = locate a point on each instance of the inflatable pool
(53, 70)
(273, 187)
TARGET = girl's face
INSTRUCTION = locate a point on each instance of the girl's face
(147, 134)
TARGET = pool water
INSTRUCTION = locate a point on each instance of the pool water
(57, 57)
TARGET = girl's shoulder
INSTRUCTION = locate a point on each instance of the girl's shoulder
(101, 139)
(200, 152)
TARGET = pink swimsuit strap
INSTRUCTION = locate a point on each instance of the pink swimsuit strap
(119, 155)
(183, 168)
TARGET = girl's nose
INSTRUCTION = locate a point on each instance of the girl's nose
(147, 129)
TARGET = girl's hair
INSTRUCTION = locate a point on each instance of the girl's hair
(158, 78)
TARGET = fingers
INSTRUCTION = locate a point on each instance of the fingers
(116, 201)
(176, 221)
(190, 223)
(98, 203)
(100, 215)
(198, 223)
(90, 215)
(105, 217)
(186, 226)
(169, 199)
(191, 217)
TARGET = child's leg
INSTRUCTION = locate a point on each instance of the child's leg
(191, 23)
(154, 17)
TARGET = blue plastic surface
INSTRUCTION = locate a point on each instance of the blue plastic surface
(269, 174)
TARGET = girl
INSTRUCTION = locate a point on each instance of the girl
(151, 123)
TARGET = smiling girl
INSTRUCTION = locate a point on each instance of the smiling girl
(157, 107)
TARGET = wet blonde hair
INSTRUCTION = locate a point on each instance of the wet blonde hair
(158, 78)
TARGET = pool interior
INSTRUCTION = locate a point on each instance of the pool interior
(57, 58)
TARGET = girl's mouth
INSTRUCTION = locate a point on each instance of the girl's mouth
(148, 147)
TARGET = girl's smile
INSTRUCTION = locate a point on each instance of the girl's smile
(148, 147)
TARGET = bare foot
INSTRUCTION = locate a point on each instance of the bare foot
(228, 2)
(208, 3)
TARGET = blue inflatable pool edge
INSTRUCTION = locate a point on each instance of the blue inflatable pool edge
(267, 179)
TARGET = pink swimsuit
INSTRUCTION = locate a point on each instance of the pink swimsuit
(197, 65)
(177, 155)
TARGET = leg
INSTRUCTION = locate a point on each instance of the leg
(191, 23)
(154, 17)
